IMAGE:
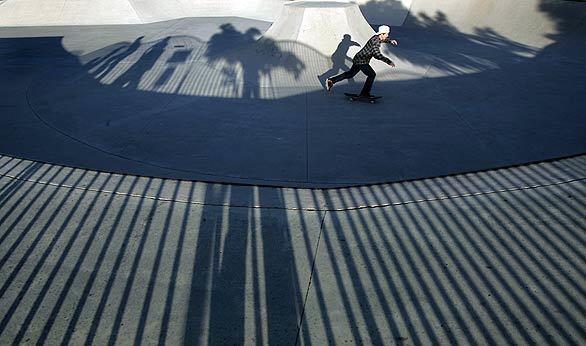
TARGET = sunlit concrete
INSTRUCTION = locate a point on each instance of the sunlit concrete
(321, 25)
(89, 12)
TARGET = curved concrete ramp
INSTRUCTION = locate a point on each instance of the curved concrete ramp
(100, 12)
(320, 24)
(389, 12)
(152, 11)
(333, 28)
(530, 22)
(64, 12)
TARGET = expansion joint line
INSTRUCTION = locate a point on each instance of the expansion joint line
(321, 228)
(314, 209)
(138, 17)
(306, 137)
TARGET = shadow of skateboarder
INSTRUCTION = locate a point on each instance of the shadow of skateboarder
(339, 58)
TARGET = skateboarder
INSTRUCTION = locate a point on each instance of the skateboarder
(362, 59)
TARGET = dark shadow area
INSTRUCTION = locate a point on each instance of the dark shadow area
(384, 12)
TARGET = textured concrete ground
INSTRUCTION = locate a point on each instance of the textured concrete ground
(489, 258)
(458, 215)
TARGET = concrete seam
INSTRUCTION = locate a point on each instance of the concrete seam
(358, 207)
(306, 138)
(475, 131)
(129, 2)
(427, 70)
(321, 228)
(408, 13)
(62, 9)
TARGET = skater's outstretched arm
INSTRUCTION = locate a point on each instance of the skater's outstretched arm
(379, 56)
(391, 41)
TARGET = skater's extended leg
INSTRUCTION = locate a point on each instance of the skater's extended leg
(370, 75)
(348, 74)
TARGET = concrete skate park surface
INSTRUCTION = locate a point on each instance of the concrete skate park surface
(90, 256)
(478, 85)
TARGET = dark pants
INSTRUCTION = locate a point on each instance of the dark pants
(366, 69)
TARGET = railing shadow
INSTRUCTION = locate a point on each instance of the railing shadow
(126, 259)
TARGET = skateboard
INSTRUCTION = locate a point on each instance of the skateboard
(356, 97)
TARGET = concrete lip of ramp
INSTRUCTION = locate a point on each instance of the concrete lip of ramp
(203, 99)
(111, 12)
(323, 25)
(320, 24)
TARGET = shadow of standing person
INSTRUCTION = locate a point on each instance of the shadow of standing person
(101, 67)
(339, 59)
(130, 79)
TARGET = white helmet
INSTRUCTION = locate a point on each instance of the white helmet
(383, 29)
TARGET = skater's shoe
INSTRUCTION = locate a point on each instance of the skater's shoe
(366, 96)
(329, 84)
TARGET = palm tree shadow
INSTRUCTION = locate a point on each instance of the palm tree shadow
(242, 67)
